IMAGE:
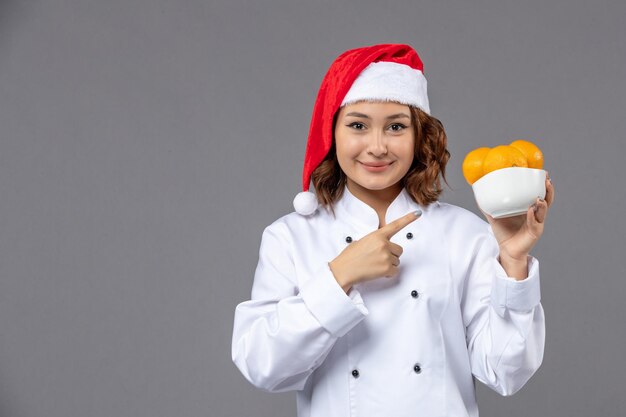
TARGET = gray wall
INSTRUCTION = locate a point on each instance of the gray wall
(145, 144)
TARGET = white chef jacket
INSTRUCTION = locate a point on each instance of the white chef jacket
(409, 345)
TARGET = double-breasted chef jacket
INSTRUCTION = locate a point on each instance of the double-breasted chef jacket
(409, 345)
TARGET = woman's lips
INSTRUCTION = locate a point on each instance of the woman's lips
(376, 168)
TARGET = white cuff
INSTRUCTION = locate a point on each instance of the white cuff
(337, 311)
(508, 293)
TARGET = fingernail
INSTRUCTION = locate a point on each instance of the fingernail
(417, 212)
(535, 207)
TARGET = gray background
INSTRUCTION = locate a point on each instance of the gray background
(145, 144)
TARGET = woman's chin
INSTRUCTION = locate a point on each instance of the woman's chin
(379, 185)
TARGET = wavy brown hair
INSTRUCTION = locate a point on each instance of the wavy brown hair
(423, 179)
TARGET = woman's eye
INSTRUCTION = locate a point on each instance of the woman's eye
(356, 125)
(397, 127)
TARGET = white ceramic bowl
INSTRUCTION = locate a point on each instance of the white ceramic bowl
(509, 192)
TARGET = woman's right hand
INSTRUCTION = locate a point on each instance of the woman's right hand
(372, 256)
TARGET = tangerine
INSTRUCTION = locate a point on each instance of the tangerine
(531, 151)
(473, 164)
(503, 156)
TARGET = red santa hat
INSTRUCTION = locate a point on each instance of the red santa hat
(387, 72)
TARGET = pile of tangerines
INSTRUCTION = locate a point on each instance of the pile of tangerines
(519, 153)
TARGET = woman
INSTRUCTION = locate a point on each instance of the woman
(335, 315)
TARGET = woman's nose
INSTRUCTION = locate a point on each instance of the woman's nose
(377, 144)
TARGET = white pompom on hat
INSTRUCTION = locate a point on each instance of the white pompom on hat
(387, 72)
(305, 203)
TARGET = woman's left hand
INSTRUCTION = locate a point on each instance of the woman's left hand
(517, 235)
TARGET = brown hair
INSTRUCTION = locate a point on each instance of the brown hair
(422, 181)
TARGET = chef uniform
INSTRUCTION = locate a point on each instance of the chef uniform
(409, 345)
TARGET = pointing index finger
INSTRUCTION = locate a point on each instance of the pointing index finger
(395, 226)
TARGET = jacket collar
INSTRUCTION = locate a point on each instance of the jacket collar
(358, 213)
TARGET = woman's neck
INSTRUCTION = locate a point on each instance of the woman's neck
(379, 200)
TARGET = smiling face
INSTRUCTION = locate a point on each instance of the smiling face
(375, 145)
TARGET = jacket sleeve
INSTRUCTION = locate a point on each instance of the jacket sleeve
(288, 327)
(504, 319)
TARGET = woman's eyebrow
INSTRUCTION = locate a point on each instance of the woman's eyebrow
(393, 116)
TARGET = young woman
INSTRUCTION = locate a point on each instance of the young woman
(373, 298)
